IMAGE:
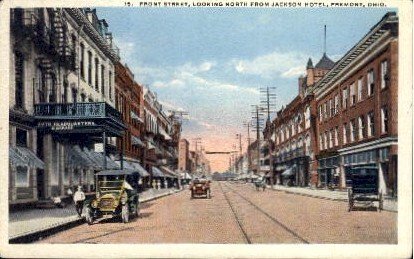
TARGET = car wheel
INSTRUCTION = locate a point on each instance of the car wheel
(125, 214)
(89, 216)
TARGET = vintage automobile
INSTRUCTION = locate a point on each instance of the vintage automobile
(116, 195)
(200, 187)
(365, 187)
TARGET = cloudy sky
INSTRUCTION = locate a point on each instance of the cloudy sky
(212, 62)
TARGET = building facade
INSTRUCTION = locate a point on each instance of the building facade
(184, 153)
(62, 65)
(357, 102)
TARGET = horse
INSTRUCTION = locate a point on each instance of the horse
(260, 184)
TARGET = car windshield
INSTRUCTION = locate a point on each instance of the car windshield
(110, 182)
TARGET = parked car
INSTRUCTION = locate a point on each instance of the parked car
(116, 194)
(200, 187)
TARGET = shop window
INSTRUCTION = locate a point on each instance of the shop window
(370, 82)
(22, 176)
(19, 79)
(21, 137)
(384, 74)
(384, 120)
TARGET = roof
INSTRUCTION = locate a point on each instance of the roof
(118, 172)
(325, 63)
(310, 64)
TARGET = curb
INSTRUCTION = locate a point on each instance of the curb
(323, 198)
(48, 231)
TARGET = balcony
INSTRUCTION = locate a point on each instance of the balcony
(100, 114)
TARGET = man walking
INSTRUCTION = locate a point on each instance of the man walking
(79, 199)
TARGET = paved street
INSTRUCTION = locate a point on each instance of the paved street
(237, 213)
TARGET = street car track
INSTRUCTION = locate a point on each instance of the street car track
(274, 220)
(246, 237)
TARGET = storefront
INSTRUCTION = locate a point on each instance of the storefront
(328, 172)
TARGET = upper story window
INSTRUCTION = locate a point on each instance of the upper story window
(360, 89)
(82, 61)
(89, 68)
(74, 95)
(336, 136)
(320, 113)
(110, 85)
(336, 104)
(371, 124)
(307, 117)
(384, 120)
(345, 134)
(326, 139)
(19, 79)
(320, 142)
(361, 127)
(370, 82)
(352, 93)
(384, 74)
(21, 137)
(325, 110)
(345, 98)
(97, 74)
(332, 106)
(103, 80)
(331, 138)
(353, 130)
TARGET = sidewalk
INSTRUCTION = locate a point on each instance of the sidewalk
(389, 203)
(27, 222)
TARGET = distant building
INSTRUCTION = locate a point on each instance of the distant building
(184, 159)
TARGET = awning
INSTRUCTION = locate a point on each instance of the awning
(92, 159)
(21, 156)
(141, 170)
(164, 133)
(288, 172)
(136, 141)
(168, 172)
(134, 116)
(77, 157)
(186, 176)
(157, 172)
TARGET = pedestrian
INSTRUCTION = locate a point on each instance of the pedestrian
(79, 199)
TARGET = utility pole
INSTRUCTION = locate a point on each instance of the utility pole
(249, 159)
(257, 116)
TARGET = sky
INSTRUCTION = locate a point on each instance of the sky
(211, 62)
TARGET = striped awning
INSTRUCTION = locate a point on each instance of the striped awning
(168, 172)
(136, 141)
(156, 172)
(164, 134)
(21, 156)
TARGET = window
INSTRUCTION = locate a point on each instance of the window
(326, 139)
(360, 89)
(336, 104)
(320, 113)
(345, 98)
(307, 117)
(22, 176)
(344, 132)
(332, 106)
(97, 74)
(384, 74)
(82, 61)
(19, 79)
(352, 128)
(83, 97)
(110, 85)
(89, 68)
(352, 94)
(384, 120)
(331, 138)
(320, 142)
(361, 127)
(292, 123)
(21, 137)
(103, 80)
(370, 82)
(371, 125)
(74, 95)
(336, 136)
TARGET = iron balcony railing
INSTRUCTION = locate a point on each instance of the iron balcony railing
(97, 110)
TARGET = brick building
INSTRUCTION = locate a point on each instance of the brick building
(357, 109)
(183, 153)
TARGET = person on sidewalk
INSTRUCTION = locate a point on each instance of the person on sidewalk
(79, 199)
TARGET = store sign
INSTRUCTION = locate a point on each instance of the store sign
(66, 125)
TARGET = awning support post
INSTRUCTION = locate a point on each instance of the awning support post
(104, 148)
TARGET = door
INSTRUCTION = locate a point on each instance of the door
(40, 184)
